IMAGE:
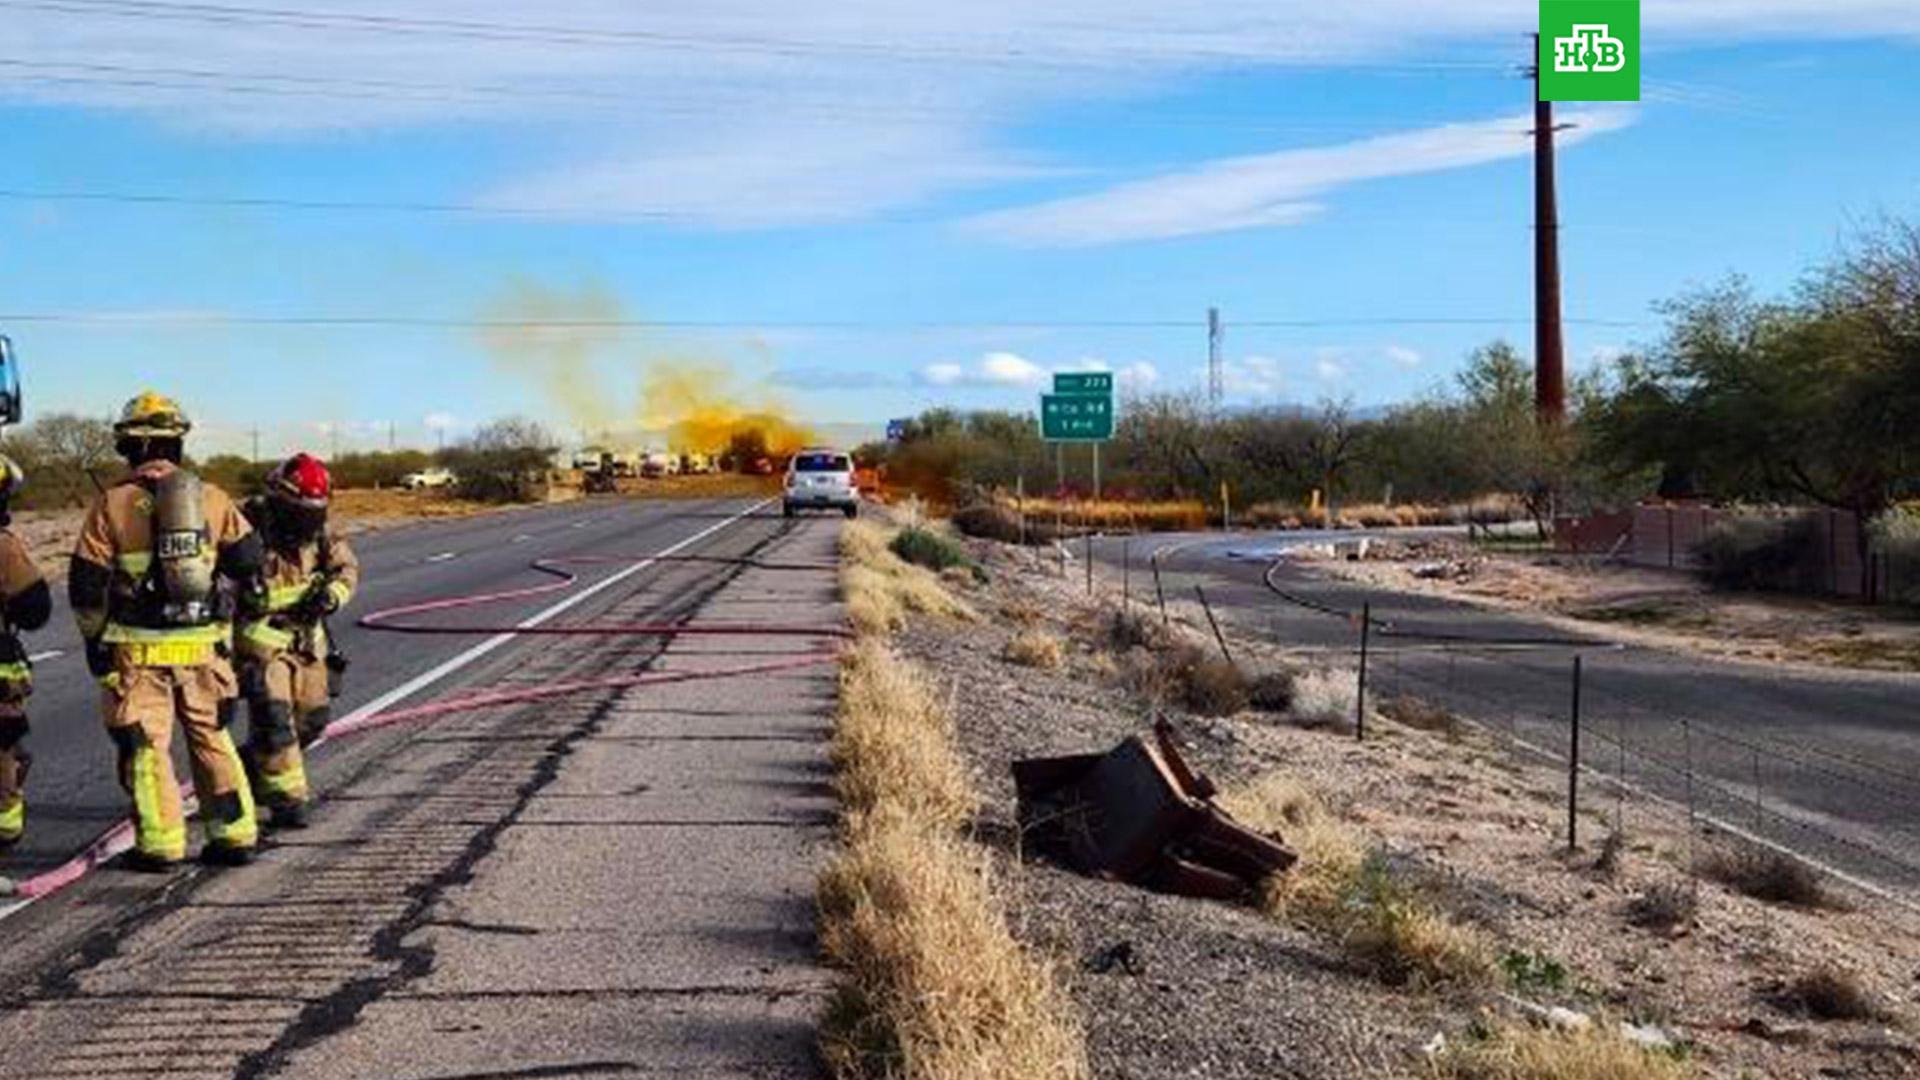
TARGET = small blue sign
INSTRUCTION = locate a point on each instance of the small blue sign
(896, 430)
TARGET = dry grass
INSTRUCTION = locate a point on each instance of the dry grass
(1212, 686)
(934, 986)
(1664, 907)
(881, 589)
(892, 744)
(1280, 515)
(1829, 993)
(1110, 515)
(1420, 714)
(1325, 698)
(1036, 647)
(1535, 1053)
(1338, 889)
(1764, 874)
(1271, 691)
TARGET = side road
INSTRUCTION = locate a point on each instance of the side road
(614, 884)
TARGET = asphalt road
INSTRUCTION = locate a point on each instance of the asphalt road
(613, 882)
(1824, 763)
(73, 795)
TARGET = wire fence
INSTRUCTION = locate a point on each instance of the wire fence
(1630, 747)
(1627, 750)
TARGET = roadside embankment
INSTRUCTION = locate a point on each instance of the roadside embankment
(933, 983)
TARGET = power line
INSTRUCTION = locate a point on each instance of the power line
(201, 80)
(425, 322)
(1001, 51)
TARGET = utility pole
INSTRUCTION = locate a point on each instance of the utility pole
(255, 460)
(1549, 347)
(392, 437)
(1216, 379)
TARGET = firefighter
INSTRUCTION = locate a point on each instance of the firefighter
(161, 562)
(288, 666)
(25, 604)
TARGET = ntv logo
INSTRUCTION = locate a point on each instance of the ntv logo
(1590, 49)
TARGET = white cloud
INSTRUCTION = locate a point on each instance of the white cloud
(440, 421)
(1008, 370)
(1253, 377)
(753, 112)
(1011, 369)
(1327, 369)
(1404, 357)
(943, 374)
(1272, 189)
(994, 369)
(1137, 377)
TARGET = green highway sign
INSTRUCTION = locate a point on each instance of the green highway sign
(1083, 382)
(1076, 417)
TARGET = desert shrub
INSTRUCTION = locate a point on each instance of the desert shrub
(990, 521)
(1512, 1052)
(1767, 875)
(1214, 687)
(1338, 888)
(1036, 647)
(1129, 629)
(881, 589)
(1147, 676)
(1271, 691)
(505, 461)
(1663, 907)
(1404, 940)
(1830, 993)
(1410, 711)
(923, 547)
(1325, 698)
(1760, 553)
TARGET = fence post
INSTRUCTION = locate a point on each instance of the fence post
(1360, 693)
(1126, 574)
(1089, 562)
(1573, 767)
(1159, 595)
(1213, 622)
(1020, 503)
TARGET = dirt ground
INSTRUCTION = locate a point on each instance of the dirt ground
(1171, 987)
(1662, 608)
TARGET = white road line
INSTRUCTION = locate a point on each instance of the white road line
(522, 538)
(442, 557)
(428, 678)
(50, 654)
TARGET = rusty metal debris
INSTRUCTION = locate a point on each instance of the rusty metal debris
(1139, 814)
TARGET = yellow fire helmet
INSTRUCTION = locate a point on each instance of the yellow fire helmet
(153, 415)
(12, 478)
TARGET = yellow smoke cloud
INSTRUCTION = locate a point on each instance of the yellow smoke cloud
(520, 334)
(608, 381)
(701, 408)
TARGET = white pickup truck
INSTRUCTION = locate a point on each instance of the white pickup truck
(428, 479)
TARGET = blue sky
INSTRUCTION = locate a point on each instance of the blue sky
(863, 209)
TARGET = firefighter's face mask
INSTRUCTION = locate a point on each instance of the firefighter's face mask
(299, 523)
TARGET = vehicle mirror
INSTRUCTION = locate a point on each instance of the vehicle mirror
(10, 405)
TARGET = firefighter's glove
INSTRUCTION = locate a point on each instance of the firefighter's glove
(99, 658)
(316, 603)
(252, 599)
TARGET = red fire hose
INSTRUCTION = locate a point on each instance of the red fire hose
(394, 620)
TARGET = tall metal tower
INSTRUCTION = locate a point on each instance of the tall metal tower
(1216, 378)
